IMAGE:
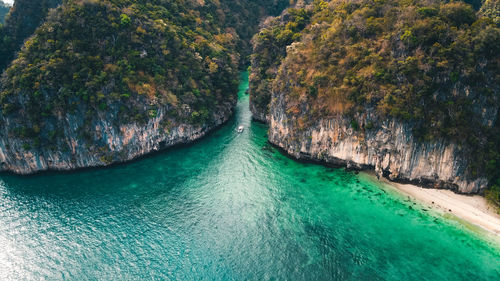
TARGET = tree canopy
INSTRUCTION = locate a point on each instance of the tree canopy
(432, 64)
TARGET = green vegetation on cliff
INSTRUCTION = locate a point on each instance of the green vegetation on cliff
(491, 9)
(127, 60)
(269, 48)
(243, 16)
(24, 17)
(432, 64)
(132, 56)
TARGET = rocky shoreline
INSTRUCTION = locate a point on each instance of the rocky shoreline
(415, 165)
(121, 144)
(355, 167)
(389, 148)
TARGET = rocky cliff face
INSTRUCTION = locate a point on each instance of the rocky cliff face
(258, 113)
(88, 90)
(102, 82)
(349, 83)
(106, 142)
(391, 149)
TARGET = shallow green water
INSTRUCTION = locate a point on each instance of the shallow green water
(229, 207)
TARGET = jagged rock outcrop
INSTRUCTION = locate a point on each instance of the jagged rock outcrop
(106, 143)
(391, 150)
(384, 86)
(102, 82)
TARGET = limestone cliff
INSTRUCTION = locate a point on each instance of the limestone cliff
(391, 149)
(384, 86)
(102, 82)
(104, 143)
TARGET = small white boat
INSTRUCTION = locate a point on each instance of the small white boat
(240, 129)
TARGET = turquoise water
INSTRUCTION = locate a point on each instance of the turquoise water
(229, 207)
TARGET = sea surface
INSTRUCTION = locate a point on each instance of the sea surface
(229, 207)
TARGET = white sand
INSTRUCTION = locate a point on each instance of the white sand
(473, 209)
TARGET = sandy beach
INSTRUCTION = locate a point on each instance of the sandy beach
(473, 209)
